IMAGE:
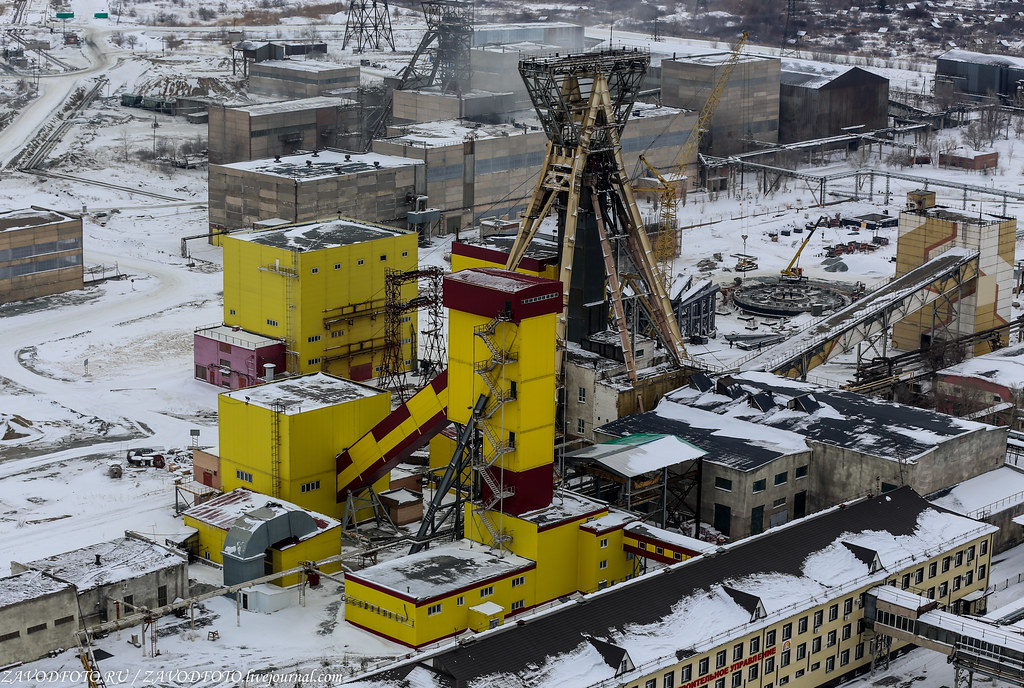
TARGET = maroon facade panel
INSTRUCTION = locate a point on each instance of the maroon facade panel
(533, 489)
(493, 255)
(488, 292)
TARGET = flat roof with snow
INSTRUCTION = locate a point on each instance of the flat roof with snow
(994, 491)
(440, 571)
(28, 585)
(1004, 365)
(303, 393)
(121, 559)
(237, 336)
(317, 102)
(30, 217)
(321, 165)
(315, 236)
(315, 66)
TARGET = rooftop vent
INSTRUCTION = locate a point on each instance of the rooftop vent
(309, 163)
(337, 168)
(348, 157)
(316, 154)
(98, 560)
(277, 158)
(376, 163)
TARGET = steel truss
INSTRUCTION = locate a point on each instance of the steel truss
(428, 281)
(583, 102)
(368, 26)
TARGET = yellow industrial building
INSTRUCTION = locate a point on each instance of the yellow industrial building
(320, 287)
(983, 302)
(524, 545)
(282, 438)
(235, 516)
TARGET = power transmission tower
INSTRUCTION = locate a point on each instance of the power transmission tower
(368, 26)
(789, 33)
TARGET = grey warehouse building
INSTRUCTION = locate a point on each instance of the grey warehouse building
(980, 74)
(816, 102)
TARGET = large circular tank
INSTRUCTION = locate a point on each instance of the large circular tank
(784, 297)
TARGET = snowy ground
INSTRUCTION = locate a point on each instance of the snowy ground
(64, 421)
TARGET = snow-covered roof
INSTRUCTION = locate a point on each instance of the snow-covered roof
(1004, 366)
(996, 490)
(565, 506)
(119, 560)
(402, 496)
(303, 393)
(610, 521)
(846, 419)
(223, 512)
(317, 102)
(237, 336)
(686, 609)
(958, 55)
(28, 585)
(29, 217)
(635, 455)
(728, 441)
(488, 608)
(315, 236)
(321, 164)
(441, 570)
(301, 65)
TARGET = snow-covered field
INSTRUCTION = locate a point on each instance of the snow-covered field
(85, 376)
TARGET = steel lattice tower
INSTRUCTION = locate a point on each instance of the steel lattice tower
(789, 32)
(428, 282)
(583, 102)
(368, 26)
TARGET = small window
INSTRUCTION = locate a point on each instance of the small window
(721, 658)
(668, 680)
(314, 338)
(405, 254)
(487, 592)
(858, 651)
(801, 651)
(815, 666)
(983, 548)
(798, 673)
(737, 679)
(10, 636)
(760, 485)
(37, 628)
(784, 659)
(720, 683)
(383, 257)
(723, 484)
(781, 478)
(959, 559)
(64, 620)
(582, 395)
(686, 673)
(816, 645)
(981, 572)
(833, 612)
(659, 550)
(752, 671)
(703, 666)
(945, 563)
(737, 652)
(905, 581)
(232, 311)
(787, 631)
(310, 487)
(360, 261)
(603, 564)
(801, 625)
(337, 333)
(434, 609)
(604, 542)
(460, 600)
(819, 616)
(518, 604)
(957, 582)
(580, 426)
(932, 569)
(678, 556)
(832, 637)
(755, 645)
(943, 589)
(847, 631)
(315, 270)
(779, 503)
(272, 323)
(769, 665)
(243, 476)
(337, 266)
(518, 580)
(783, 680)
(830, 665)
(651, 683)
(848, 606)
(801, 472)
(313, 361)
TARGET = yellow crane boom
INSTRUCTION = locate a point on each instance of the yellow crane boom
(664, 241)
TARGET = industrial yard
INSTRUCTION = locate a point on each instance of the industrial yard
(524, 353)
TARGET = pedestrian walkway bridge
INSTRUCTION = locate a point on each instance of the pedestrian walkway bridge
(969, 643)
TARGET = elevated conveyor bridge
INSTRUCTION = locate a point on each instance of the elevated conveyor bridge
(970, 644)
(871, 315)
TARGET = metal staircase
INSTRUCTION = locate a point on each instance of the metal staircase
(498, 397)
